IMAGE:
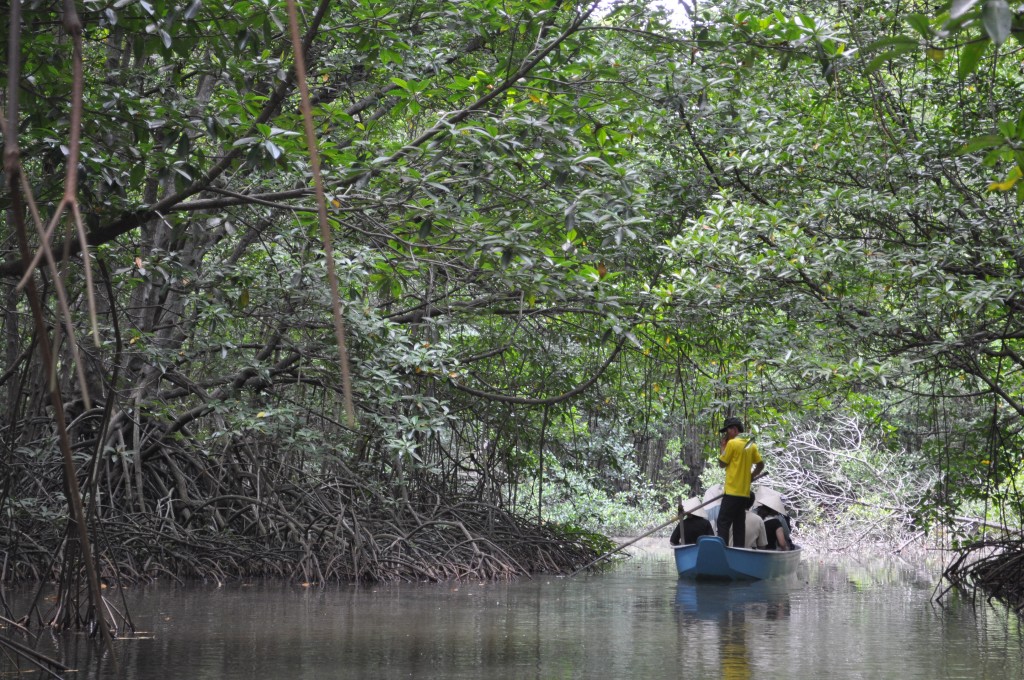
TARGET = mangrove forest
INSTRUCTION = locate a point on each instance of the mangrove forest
(425, 290)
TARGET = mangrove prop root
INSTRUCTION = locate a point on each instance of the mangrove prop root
(994, 567)
(263, 517)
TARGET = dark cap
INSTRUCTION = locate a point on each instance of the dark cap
(732, 421)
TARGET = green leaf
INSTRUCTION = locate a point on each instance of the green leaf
(980, 142)
(899, 40)
(997, 19)
(425, 227)
(970, 56)
(992, 158)
(390, 57)
(889, 55)
(920, 23)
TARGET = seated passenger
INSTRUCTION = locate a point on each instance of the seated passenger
(754, 532)
(776, 524)
(692, 524)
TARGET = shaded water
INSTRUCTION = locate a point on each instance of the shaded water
(835, 620)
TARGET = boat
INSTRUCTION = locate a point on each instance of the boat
(710, 558)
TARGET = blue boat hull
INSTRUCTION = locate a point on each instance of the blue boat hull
(711, 559)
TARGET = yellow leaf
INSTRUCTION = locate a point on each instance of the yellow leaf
(261, 414)
(1011, 179)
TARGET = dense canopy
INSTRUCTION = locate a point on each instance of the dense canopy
(379, 289)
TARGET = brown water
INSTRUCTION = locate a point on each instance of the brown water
(834, 620)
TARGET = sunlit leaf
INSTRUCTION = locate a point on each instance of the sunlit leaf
(997, 19)
(961, 7)
(1012, 178)
(272, 149)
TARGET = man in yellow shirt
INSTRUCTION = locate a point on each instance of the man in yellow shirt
(738, 455)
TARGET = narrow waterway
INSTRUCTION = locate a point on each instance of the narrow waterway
(836, 619)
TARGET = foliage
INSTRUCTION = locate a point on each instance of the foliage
(579, 501)
(567, 244)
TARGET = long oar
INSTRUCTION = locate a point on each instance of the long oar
(660, 526)
(643, 535)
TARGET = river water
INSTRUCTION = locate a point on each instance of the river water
(835, 619)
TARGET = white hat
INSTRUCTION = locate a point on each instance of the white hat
(714, 492)
(770, 498)
(690, 505)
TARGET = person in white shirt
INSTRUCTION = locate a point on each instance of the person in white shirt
(754, 535)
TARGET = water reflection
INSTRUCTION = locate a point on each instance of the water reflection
(767, 600)
(739, 610)
(735, 657)
(638, 621)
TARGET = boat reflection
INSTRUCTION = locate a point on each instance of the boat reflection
(726, 611)
(713, 600)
